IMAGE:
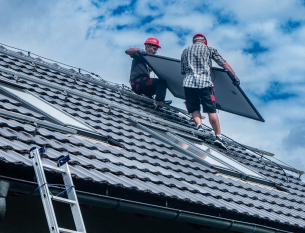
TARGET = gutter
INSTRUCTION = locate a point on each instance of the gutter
(4, 186)
(86, 198)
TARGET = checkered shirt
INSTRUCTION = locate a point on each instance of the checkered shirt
(196, 63)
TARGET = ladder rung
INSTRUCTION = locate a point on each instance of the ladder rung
(67, 230)
(53, 168)
(40, 167)
(64, 200)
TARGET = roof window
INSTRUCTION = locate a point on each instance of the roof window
(52, 113)
(230, 162)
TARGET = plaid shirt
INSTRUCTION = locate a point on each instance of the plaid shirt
(196, 63)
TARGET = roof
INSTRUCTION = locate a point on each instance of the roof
(135, 145)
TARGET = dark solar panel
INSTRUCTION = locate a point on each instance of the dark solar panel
(228, 97)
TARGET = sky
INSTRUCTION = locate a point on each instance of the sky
(263, 41)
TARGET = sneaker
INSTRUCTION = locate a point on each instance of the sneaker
(220, 143)
(200, 128)
(166, 102)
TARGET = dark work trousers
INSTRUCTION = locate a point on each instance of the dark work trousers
(149, 87)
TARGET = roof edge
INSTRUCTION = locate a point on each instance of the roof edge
(27, 187)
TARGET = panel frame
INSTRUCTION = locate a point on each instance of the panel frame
(260, 118)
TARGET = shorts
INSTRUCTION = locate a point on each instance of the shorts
(196, 96)
(144, 85)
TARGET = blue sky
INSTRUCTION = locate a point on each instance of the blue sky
(263, 41)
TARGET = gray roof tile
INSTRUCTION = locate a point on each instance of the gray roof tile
(6, 99)
(146, 164)
(21, 110)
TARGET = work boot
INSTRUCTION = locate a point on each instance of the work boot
(220, 143)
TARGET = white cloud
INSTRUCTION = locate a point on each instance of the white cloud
(58, 30)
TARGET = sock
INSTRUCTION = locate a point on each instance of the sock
(198, 125)
(219, 136)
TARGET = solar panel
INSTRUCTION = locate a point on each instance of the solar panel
(228, 97)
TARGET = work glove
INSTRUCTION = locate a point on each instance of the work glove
(142, 52)
(236, 82)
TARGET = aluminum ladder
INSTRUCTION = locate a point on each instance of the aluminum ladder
(47, 197)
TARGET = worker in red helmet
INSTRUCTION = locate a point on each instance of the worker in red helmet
(140, 80)
(196, 62)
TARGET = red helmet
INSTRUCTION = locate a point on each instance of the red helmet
(199, 34)
(154, 41)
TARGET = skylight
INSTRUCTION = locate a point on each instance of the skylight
(200, 154)
(45, 107)
(211, 156)
(227, 160)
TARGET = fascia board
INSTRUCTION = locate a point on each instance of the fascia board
(108, 202)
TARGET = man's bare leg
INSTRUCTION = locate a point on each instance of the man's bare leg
(213, 118)
(197, 117)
